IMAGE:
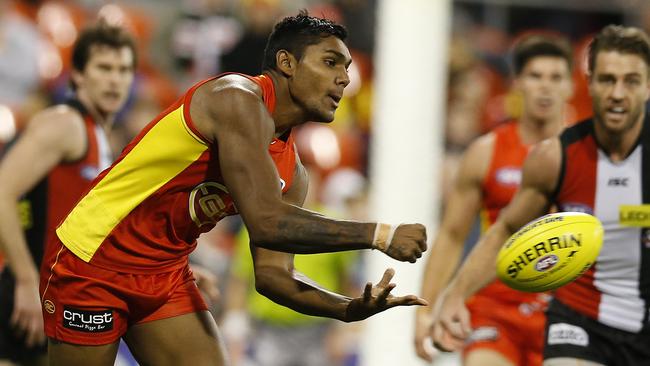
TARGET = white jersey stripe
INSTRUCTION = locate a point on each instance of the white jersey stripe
(619, 263)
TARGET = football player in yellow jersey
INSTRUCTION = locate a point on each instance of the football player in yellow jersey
(118, 266)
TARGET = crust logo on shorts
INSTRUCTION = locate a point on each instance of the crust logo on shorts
(563, 333)
(49, 306)
(209, 203)
(88, 321)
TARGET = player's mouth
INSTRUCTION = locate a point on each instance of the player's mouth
(615, 113)
(544, 102)
(335, 98)
(112, 96)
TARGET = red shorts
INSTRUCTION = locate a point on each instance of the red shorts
(87, 305)
(515, 330)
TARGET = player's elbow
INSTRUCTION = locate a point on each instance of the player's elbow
(261, 232)
(264, 229)
(266, 279)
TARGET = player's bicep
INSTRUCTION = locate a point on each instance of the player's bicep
(539, 178)
(244, 131)
(465, 199)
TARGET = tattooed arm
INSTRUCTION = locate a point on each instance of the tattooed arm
(230, 112)
(277, 279)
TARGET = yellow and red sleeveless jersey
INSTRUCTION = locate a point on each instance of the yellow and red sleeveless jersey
(43, 208)
(499, 186)
(146, 211)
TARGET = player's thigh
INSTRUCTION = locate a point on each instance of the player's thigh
(66, 354)
(485, 356)
(190, 339)
(567, 361)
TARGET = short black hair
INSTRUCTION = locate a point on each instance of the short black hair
(630, 40)
(101, 33)
(295, 33)
(540, 44)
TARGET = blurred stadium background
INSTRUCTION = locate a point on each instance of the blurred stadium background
(466, 43)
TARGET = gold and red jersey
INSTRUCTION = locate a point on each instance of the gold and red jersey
(146, 211)
(499, 187)
(43, 208)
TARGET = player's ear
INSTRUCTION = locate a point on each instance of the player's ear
(76, 76)
(285, 62)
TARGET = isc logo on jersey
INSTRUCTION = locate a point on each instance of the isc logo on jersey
(550, 252)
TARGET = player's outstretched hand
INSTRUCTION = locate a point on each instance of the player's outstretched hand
(451, 324)
(376, 299)
(408, 243)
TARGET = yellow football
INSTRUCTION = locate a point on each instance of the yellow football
(550, 251)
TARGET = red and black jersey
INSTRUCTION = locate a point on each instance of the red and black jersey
(45, 206)
(616, 290)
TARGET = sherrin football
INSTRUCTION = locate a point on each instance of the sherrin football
(550, 251)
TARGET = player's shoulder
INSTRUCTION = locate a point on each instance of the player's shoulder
(482, 146)
(57, 114)
(230, 103)
(548, 149)
(577, 131)
(233, 86)
(56, 121)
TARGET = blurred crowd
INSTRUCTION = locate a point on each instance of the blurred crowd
(191, 40)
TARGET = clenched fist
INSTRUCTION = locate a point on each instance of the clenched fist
(406, 242)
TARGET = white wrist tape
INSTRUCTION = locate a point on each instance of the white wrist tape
(383, 236)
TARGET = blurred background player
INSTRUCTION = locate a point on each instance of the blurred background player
(507, 325)
(598, 166)
(46, 171)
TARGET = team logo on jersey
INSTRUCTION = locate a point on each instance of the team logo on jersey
(508, 176)
(88, 321)
(49, 306)
(210, 202)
